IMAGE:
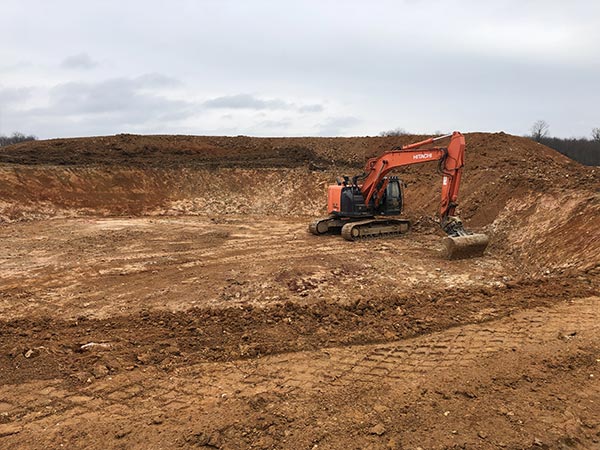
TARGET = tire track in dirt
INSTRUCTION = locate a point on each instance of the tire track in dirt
(149, 395)
(173, 339)
(461, 346)
(104, 267)
(408, 361)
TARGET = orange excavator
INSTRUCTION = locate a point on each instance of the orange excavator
(364, 206)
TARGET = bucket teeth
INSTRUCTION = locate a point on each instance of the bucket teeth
(470, 246)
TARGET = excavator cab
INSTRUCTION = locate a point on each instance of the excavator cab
(391, 202)
(346, 199)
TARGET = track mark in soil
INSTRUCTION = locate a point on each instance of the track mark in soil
(150, 396)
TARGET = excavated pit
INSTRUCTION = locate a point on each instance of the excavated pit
(176, 272)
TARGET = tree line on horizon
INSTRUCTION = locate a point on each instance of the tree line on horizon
(583, 150)
(15, 138)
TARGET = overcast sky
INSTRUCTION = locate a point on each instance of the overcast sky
(288, 68)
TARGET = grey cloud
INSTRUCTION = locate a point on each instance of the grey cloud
(283, 124)
(156, 80)
(79, 61)
(14, 95)
(335, 126)
(108, 106)
(137, 104)
(16, 66)
(247, 101)
(311, 108)
(495, 73)
(117, 96)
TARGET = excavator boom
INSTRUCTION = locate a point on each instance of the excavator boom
(353, 207)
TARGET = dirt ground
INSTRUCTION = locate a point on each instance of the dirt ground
(163, 292)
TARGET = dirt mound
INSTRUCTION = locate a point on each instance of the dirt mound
(159, 151)
(135, 174)
(506, 179)
(493, 153)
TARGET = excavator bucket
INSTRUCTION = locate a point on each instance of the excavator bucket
(470, 246)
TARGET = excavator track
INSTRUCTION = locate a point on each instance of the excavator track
(326, 225)
(374, 228)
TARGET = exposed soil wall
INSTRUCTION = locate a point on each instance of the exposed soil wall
(532, 199)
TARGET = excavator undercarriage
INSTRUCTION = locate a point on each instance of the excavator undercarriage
(366, 210)
(357, 229)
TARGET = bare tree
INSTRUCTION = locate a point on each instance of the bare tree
(15, 138)
(395, 132)
(596, 134)
(539, 130)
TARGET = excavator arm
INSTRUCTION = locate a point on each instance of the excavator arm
(362, 209)
(460, 242)
(452, 162)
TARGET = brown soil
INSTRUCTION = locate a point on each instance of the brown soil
(162, 292)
